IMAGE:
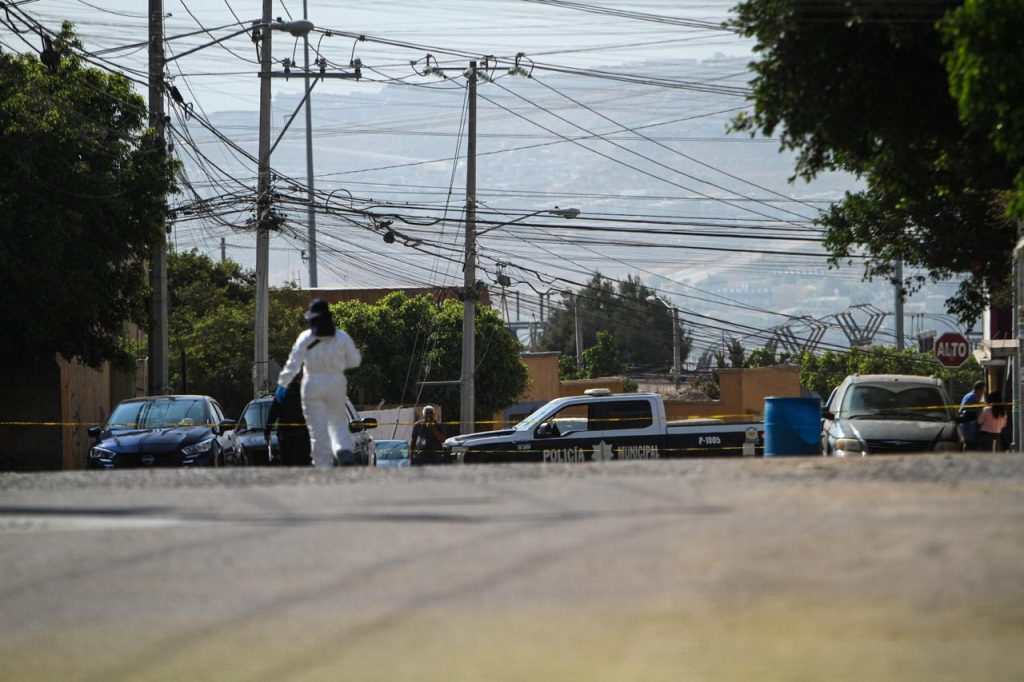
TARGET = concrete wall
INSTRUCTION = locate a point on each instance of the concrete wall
(742, 394)
(578, 386)
(742, 390)
(542, 369)
(392, 422)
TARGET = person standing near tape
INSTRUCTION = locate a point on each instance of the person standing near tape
(425, 444)
(292, 435)
(325, 352)
(970, 410)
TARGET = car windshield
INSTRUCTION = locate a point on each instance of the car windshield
(395, 450)
(920, 403)
(161, 412)
(255, 415)
(568, 418)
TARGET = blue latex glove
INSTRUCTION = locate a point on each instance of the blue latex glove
(279, 395)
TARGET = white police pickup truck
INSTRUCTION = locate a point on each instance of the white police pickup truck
(601, 426)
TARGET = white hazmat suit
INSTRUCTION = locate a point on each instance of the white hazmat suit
(324, 390)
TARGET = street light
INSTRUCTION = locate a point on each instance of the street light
(467, 398)
(261, 364)
(675, 336)
(567, 213)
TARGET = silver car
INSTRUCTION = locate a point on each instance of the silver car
(875, 414)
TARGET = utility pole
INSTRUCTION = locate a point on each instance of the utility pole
(310, 209)
(159, 375)
(261, 360)
(223, 250)
(899, 305)
(1017, 381)
(675, 348)
(469, 293)
(579, 334)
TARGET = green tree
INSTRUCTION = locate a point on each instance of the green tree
(736, 352)
(603, 358)
(862, 87)
(404, 341)
(81, 206)
(822, 373)
(394, 336)
(985, 63)
(767, 357)
(640, 325)
(211, 327)
(567, 370)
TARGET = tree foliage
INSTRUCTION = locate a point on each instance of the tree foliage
(603, 358)
(640, 325)
(985, 62)
(81, 206)
(407, 340)
(862, 87)
(211, 327)
(822, 373)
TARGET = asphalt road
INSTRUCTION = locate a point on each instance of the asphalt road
(903, 568)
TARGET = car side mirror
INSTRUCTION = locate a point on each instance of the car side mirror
(357, 425)
(825, 414)
(227, 425)
(95, 431)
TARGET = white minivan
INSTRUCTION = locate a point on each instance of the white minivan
(878, 414)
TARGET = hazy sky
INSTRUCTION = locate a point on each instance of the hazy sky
(224, 78)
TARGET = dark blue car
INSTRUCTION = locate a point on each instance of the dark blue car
(165, 431)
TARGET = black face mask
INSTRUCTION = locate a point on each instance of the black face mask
(322, 325)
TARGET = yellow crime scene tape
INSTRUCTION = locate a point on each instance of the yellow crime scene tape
(973, 406)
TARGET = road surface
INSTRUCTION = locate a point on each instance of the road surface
(901, 568)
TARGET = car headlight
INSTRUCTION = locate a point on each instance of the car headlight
(850, 445)
(100, 453)
(199, 448)
(947, 446)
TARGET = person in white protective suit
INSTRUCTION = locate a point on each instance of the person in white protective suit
(326, 352)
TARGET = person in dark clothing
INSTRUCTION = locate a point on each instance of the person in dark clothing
(425, 444)
(970, 410)
(292, 434)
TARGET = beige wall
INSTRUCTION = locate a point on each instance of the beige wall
(742, 390)
(742, 393)
(578, 386)
(542, 372)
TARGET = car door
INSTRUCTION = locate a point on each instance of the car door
(569, 435)
(225, 437)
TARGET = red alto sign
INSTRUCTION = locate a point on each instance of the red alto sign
(952, 349)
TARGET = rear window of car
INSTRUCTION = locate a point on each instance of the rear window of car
(623, 414)
(255, 415)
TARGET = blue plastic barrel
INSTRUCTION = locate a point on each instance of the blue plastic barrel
(792, 426)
